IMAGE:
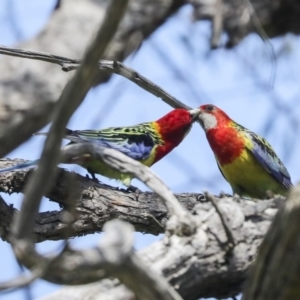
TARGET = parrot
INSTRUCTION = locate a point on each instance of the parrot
(146, 142)
(246, 160)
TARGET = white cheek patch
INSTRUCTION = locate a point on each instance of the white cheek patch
(209, 121)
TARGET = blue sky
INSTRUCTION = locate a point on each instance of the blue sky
(237, 80)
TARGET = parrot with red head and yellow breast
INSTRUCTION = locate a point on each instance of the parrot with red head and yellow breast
(246, 160)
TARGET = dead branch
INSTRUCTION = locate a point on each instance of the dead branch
(195, 265)
(120, 261)
(181, 222)
(276, 271)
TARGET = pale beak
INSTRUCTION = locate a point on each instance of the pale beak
(200, 117)
(194, 113)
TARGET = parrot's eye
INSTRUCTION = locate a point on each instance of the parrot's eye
(209, 108)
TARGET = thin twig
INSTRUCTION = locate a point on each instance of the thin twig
(120, 69)
(151, 217)
(263, 35)
(36, 55)
(23, 280)
(106, 65)
(228, 231)
(217, 24)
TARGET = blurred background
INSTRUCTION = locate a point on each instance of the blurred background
(256, 90)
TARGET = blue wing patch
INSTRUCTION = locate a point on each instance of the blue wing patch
(132, 141)
(266, 156)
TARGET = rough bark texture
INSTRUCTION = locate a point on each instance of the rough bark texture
(197, 266)
(276, 272)
(194, 265)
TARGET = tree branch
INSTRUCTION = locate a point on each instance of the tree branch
(228, 231)
(120, 261)
(115, 257)
(59, 270)
(195, 265)
(276, 271)
(23, 280)
(182, 222)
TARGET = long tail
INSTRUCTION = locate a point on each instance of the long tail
(25, 165)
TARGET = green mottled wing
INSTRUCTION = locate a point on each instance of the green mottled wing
(136, 142)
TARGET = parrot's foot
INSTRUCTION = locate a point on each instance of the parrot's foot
(136, 191)
(94, 178)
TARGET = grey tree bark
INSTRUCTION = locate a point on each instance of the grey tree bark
(194, 265)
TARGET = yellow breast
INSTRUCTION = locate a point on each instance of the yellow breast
(247, 177)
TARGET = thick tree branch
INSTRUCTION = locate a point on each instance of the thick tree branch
(276, 271)
(115, 257)
(59, 269)
(182, 222)
(120, 261)
(195, 265)
(96, 203)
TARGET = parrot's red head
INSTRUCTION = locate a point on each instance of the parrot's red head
(172, 128)
(176, 124)
(223, 138)
(211, 116)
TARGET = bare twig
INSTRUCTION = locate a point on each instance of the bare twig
(119, 68)
(217, 24)
(35, 55)
(228, 231)
(263, 35)
(106, 65)
(23, 280)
